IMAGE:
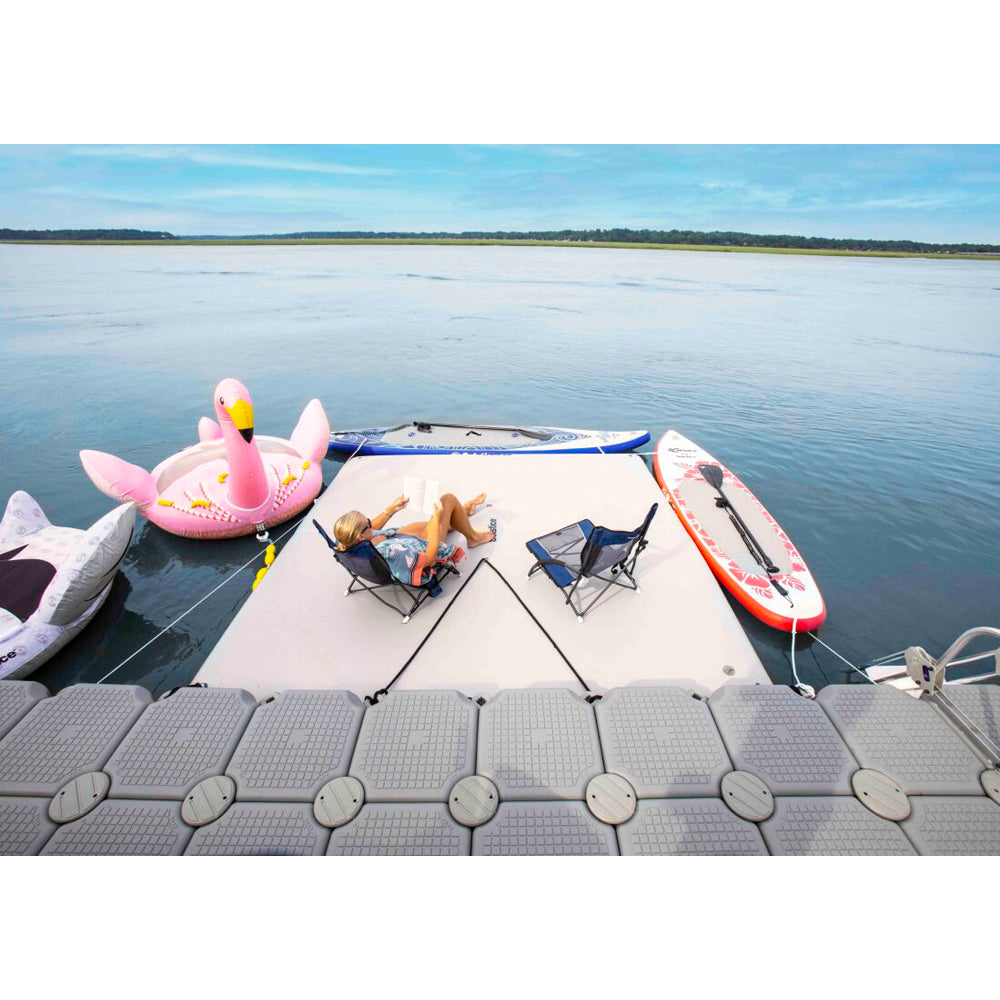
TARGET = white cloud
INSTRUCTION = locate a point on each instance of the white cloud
(267, 192)
(749, 192)
(907, 201)
(214, 158)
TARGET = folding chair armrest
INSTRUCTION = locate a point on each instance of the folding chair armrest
(557, 562)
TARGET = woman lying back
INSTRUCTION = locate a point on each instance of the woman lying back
(406, 549)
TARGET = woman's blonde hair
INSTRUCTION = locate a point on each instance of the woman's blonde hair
(347, 528)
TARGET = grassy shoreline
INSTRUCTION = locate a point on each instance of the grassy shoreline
(706, 248)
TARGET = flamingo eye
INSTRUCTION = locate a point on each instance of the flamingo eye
(222, 400)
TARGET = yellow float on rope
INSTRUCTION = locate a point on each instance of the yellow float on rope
(223, 476)
(269, 554)
(306, 464)
(165, 503)
(201, 503)
(289, 478)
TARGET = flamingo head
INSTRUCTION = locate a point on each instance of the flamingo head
(233, 405)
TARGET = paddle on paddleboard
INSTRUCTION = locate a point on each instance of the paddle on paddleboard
(747, 550)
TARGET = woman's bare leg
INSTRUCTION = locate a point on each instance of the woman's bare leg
(454, 517)
(471, 506)
(418, 528)
(448, 523)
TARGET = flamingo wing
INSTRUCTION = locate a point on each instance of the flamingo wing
(311, 436)
(119, 479)
(209, 430)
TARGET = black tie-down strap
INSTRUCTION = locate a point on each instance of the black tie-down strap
(372, 699)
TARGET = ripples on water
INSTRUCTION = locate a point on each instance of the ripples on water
(858, 397)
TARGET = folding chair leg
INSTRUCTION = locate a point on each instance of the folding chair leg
(582, 613)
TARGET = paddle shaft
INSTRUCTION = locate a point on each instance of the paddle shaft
(756, 549)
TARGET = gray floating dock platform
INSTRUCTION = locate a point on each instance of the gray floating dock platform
(415, 745)
(24, 825)
(294, 744)
(16, 698)
(531, 771)
(539, 743)
(663, 741)
(401, 828)
(124, 826)
(180, 740)
(60, 738)
(689, 827)
(256, 828)
(544, 828)
(831, 824)
(786, 741)
(903, 737)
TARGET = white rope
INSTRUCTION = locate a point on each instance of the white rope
(795, 673)
(232, 576)
(884, 659)
(857, 670)
(182, 616)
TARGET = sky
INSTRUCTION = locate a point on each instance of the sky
(928, 193)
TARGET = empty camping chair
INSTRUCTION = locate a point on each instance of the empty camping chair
(582, 551)
(371, 572)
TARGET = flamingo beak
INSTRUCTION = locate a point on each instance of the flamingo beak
(241, 414)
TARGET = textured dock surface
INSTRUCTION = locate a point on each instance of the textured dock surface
(753, 770)
(301, 632)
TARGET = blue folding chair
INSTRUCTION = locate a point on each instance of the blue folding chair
(371, 573)
(582, 551)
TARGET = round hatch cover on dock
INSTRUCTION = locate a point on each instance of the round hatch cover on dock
(339, 801)
(747, 796)
(991, 784)
(611, 798)
(881, 794)
(208, 800)
(78, 797)
(473, 801)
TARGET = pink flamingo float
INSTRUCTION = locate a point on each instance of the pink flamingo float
(231, 483)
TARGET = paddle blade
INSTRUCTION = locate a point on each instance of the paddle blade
(712, 474)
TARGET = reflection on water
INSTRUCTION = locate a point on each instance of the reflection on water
(858, 397)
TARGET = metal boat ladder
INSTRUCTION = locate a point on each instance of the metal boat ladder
(929, 677)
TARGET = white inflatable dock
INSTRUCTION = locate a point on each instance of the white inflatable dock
(298, 630)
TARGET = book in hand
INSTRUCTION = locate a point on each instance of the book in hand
(422, 494)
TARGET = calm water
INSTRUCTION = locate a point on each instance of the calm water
(860, 399)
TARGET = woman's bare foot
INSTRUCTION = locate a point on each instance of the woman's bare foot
(481, 538)
(471, 506)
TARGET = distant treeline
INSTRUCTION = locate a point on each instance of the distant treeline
(670, 236)
(685, 236)
(82, 234)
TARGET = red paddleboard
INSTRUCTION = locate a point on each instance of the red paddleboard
(748, 551)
